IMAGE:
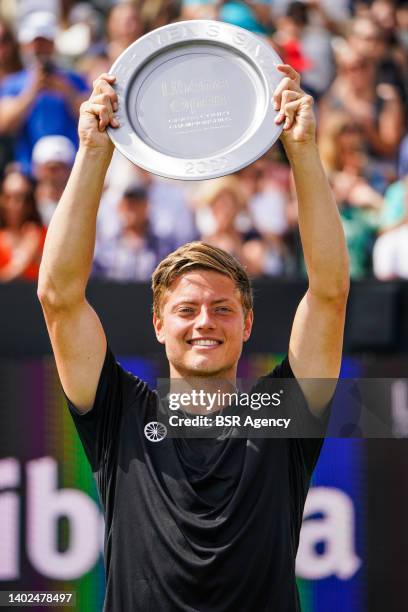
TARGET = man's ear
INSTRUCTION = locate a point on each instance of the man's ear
(249, 319)
(158, 328)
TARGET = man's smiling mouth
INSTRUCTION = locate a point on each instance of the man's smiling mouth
(207, 342)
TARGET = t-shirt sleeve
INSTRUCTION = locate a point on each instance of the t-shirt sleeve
(99, 427)
(303, 451)
(310, 428)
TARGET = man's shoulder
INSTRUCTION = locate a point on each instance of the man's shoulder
(118, 383)
(268, 381)
(127, 376)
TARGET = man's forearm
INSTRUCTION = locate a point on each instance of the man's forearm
(321, 231)
(70, 242)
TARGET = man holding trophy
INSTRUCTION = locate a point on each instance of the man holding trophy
(204, 524)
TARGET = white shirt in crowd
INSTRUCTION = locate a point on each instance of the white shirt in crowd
(390, 256)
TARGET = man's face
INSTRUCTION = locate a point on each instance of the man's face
(203, 325)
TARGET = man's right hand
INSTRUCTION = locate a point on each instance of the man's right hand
(96, 114)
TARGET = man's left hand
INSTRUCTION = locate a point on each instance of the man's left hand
(295, 109)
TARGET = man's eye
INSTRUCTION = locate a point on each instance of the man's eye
(185, 310)
(224, 309)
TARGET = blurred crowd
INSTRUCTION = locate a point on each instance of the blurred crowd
(352, 56)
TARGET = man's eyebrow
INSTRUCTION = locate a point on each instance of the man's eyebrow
(195, 302)
(226, 299)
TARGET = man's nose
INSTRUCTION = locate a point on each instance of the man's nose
(204, 319)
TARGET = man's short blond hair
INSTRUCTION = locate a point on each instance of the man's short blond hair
(199, 255)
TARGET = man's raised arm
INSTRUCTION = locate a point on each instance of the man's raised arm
(76, 333)
(316, 341)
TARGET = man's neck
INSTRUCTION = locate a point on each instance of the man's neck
(202, 394)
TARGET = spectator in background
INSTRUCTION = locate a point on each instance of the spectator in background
(53, 157)
(91, 66)
(222, 215)
(9, 55)
(391, 16)
(369, 40)
(377, 109)
(266, 183)
(253, 15)
(135, 250)
(393, 213)
(170, 213)
(42, 99)
(123, 27)
(306, 45)
(21, 232)
(359, 145)
(384, 13)
(401, 33)
(225, 223)
(200, 9)
(9, 63)
(157, 13)
(342, 150)
(333, 14)
(288, 36)
(403, 157)
(84, 32)
(390, 255)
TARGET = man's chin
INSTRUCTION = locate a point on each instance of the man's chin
(203, 368)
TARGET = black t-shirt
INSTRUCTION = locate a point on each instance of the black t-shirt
(208, 525)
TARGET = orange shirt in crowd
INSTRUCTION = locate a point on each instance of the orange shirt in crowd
(6, 254)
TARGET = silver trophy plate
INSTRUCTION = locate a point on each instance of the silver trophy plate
(195, 100)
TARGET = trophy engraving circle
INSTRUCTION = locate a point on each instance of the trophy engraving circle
(195, 100)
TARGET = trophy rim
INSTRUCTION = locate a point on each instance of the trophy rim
(262, 58)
